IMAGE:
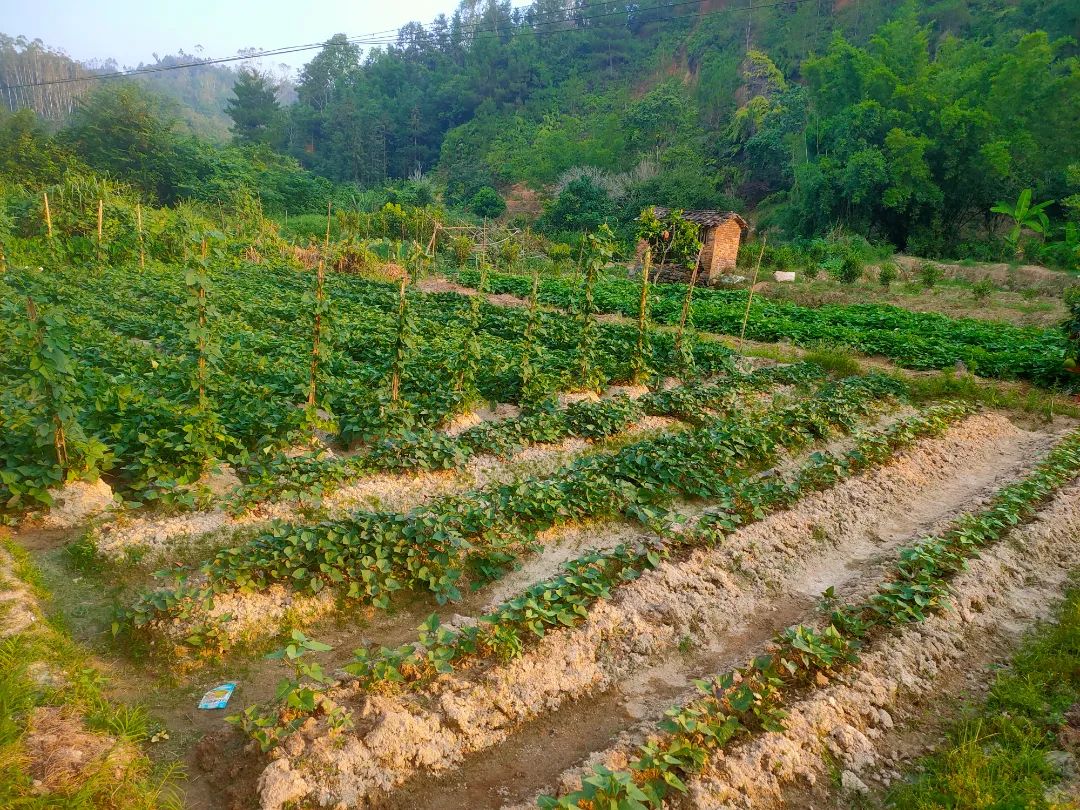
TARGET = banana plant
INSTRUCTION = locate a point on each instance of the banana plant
(1024, 215)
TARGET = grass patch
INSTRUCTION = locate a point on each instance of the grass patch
(42, 667)
(839, 362)
(997, 755)
(1008, 396)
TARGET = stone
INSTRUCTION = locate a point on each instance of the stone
(852, 783)
(222, 481)
(76, 502)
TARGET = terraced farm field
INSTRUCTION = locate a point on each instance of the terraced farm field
(464, 555)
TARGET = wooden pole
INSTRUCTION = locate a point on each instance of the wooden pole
(484, 249)
(571, 301)
(750, 297)
(395, 377)
(533, 296)
(59, 437)
(202, 337)
(48, 214)
(431, 244)
(142, 248)
(100, 253)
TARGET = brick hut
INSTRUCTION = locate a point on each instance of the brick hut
(721, 233)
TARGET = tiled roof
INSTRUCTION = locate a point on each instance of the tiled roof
(708, 219)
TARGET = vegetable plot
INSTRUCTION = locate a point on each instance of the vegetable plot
(750, 700)
(911, 339)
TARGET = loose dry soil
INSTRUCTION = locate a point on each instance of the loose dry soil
(606, 682)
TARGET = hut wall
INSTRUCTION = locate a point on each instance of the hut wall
(727, 236)
(708, 240)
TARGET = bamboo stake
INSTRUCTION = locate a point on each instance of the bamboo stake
(750, 297)
(48, 214)
(138, 221)
(431, 244)
(202, 338)
(59, 437)
(484, 249)
(326, 246)
(639, 359)
(533, 298)
(395, 377)
(316, 335)
(687, 301)
(571, 301)
(100, 253)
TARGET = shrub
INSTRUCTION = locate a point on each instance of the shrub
(850, 269)
(582, 205)
(887, 274)
(510, 252)
(981, 289)
(1071, 326)
(462, 248)
(559, 252)
(930, 274)
(487, 203)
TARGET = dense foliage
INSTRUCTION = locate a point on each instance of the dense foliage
(127, 134)
(904, 122)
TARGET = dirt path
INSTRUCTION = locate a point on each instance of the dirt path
(718, 605)
(542, 748)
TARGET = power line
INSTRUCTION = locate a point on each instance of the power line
(378, 38)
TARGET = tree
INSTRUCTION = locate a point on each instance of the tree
(581, 206)
(27, 154)
(253, 109)
(487, 203)
(126, 131)
(337, 61)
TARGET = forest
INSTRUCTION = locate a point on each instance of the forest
(904, 124)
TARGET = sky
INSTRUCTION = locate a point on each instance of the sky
(132, 31)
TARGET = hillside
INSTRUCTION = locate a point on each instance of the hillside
(902, 122)
(397, 451)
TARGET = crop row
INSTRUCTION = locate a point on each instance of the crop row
(751, 699)
(918, 340)
(283, 476)
(373, 554)
(133, 339)
(564, 600)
